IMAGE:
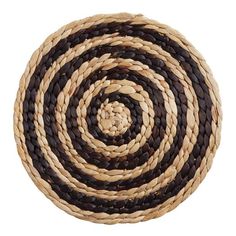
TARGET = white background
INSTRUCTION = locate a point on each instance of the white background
(209, 25)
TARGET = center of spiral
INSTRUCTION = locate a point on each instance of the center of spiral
(113, 118)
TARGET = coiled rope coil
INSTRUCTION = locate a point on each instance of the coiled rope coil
(117, 118)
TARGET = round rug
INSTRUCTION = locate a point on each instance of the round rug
(117, 118)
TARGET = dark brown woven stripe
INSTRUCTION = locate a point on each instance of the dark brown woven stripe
(195, 157)
(92, 121)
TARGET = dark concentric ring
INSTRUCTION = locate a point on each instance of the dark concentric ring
(188, 64)
(92, 122)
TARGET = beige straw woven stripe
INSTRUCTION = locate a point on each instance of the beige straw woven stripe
(157, 194)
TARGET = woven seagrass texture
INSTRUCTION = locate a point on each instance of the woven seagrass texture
(117, 118)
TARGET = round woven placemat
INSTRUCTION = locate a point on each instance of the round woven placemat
(117, 118)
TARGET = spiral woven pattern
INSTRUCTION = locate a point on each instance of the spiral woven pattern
(117, 118)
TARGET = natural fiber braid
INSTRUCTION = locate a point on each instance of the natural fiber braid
(117, 118)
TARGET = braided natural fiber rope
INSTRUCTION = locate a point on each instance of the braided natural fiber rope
(117, 118)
